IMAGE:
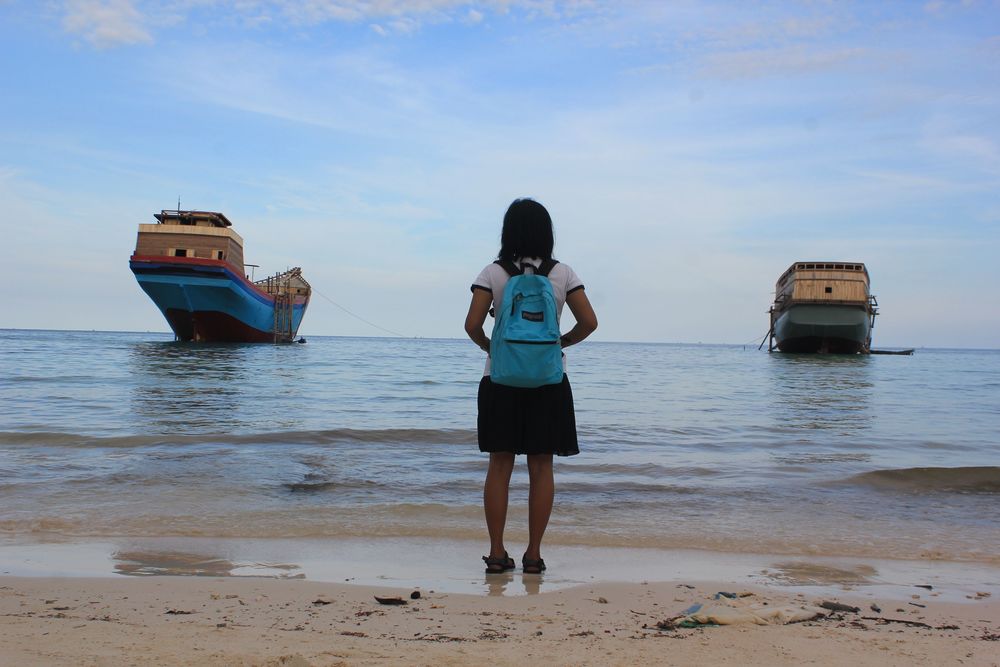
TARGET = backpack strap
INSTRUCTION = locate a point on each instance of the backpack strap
(513, 269)
(546, 266)
(510, 267)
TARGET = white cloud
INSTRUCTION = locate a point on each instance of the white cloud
(106, 23)
(770, 62)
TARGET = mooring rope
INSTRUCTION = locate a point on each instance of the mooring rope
(358, 317)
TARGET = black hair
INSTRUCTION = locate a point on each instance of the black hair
(527, 231)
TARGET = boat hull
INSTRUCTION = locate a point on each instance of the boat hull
(838, 329)
(205, 300)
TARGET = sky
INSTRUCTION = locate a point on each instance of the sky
(688, 152)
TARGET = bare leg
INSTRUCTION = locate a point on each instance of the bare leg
(495, 493)
(541, 494)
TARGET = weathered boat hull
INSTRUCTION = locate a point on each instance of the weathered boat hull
(838, 329)
(205, 300)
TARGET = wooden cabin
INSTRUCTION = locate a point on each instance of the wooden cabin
(842, 283)
(201, 234)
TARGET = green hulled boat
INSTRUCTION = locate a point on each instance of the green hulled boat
(823, 307)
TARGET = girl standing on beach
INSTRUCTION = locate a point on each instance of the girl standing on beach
(538, 422)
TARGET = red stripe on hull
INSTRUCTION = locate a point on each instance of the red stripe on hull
(214, 327)
(201, 261)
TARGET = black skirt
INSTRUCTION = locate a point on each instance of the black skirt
(527, 421)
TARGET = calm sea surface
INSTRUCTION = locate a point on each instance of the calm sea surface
(106, 435)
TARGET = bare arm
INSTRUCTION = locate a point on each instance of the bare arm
(586, 318)
(478, 309)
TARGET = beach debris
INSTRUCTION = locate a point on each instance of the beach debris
(884, 620)
(927, 586)
(178, 612)
(836, 606)
(602, 600)
(725, 594)
(349, 633)
(990, 637)
(875, 608)
(322, 600)
(415, 595)
(736, 611)
(917, 604)
(436, 637)
(395, 600)
(668, 625)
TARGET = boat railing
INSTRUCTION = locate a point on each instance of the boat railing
(787, 303)
(287, 282)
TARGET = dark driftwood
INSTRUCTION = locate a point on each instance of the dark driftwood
(389, 600)
(882, 619)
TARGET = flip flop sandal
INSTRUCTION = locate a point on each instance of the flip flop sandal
(499, 564)
(532, 566)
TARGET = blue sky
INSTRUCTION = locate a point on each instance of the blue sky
(688, 152)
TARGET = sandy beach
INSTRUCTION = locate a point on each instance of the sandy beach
(210, 620)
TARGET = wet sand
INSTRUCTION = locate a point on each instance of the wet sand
(205, 606)
(252, 621)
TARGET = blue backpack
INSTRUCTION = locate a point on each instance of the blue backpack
(524, 348)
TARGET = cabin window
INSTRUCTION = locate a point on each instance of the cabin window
(180, 252)
(218, 254)
(829, 290)
(839, 266)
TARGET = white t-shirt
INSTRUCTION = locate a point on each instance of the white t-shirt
(494, 278)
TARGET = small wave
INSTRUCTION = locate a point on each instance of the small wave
(311, 487)
(643, 469)
(984, 479)
(316, 437)
(821, 458)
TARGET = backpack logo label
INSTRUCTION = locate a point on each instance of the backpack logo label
(532, 317)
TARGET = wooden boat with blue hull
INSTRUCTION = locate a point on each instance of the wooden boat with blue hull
(824, 307)
(190, 263)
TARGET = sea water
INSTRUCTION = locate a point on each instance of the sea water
(107, 437)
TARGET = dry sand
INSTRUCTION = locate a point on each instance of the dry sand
(166, 620)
